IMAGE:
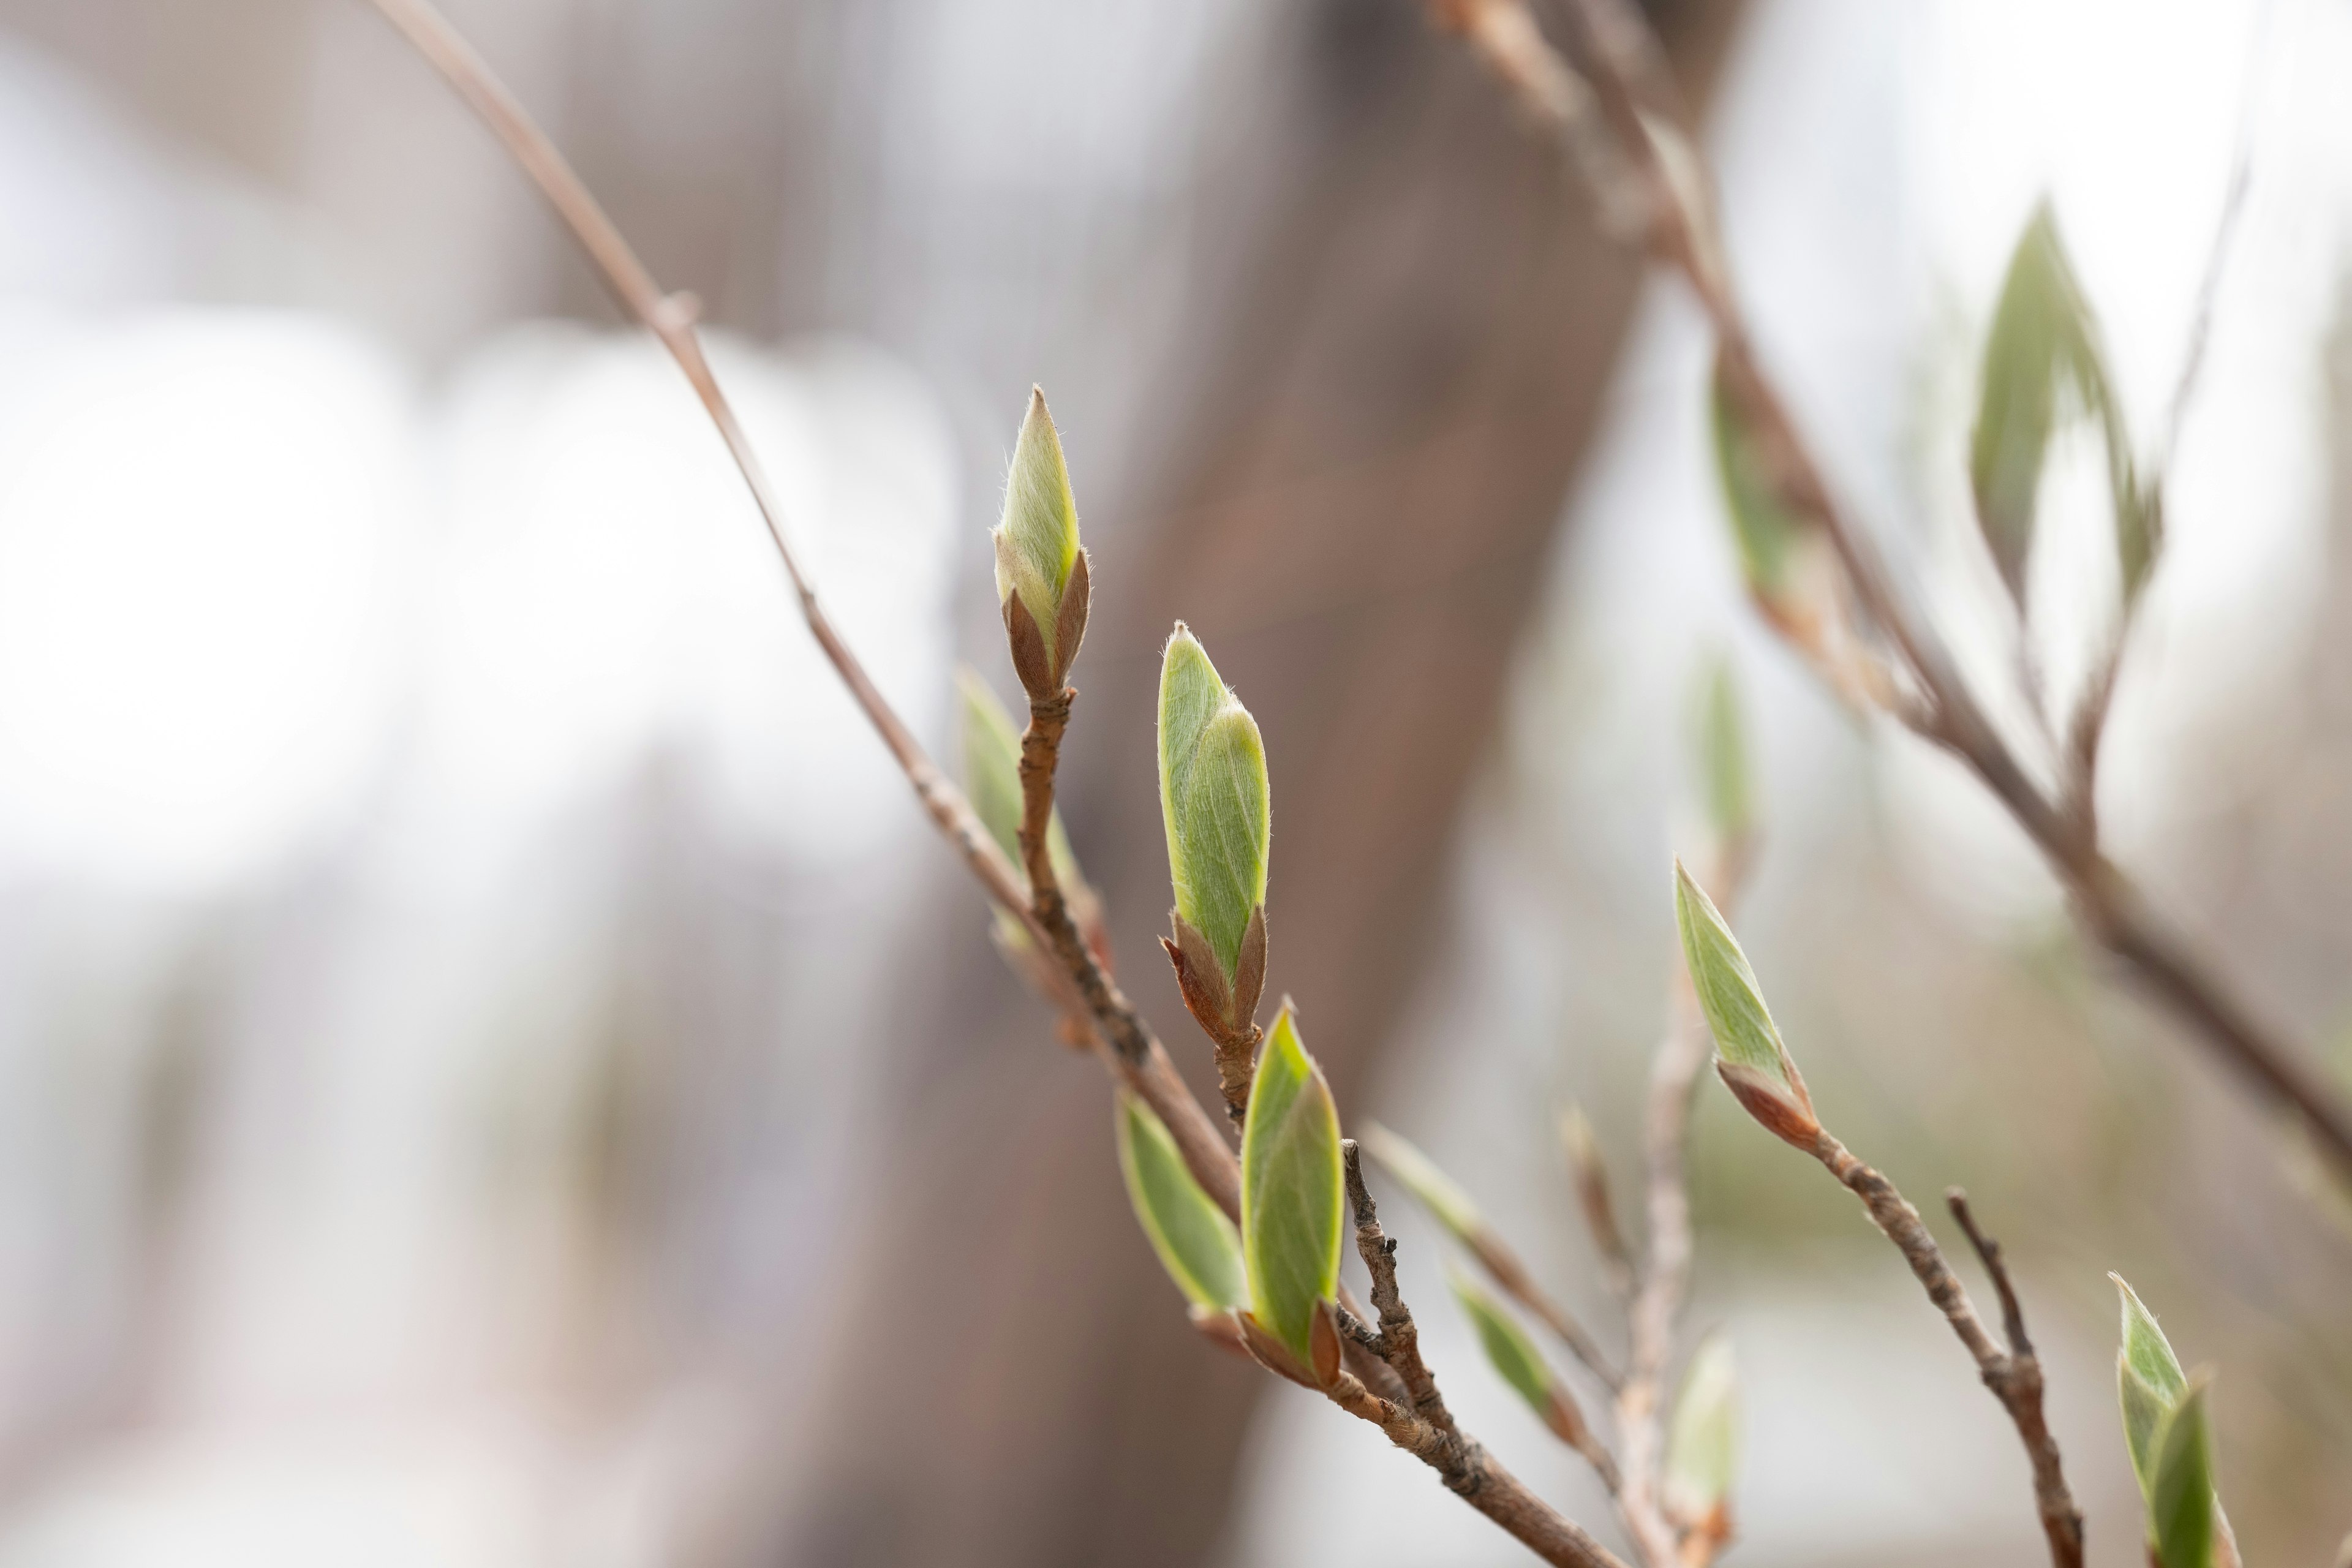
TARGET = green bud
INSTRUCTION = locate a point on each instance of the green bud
(1749, 1054)
(1703, 1438)
(2043, 364)
(2182, 1511)
(1723, 758)
(1291, 1194)
(1212, 798)
(1431, 1187)
(1196, 1243)
(1766, 529)
(2148, 1383)
(1041, 572)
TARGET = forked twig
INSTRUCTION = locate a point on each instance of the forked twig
(2017, 1383)
(2014, 1376)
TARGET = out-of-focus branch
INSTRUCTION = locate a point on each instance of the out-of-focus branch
(1923, 688)
(2017, 1383)
(1665, 1276)
(2013, 1376)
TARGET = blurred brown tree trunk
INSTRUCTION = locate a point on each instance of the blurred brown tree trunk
(1361, 457)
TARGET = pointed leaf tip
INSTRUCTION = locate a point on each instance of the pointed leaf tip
(1213, 801)
(1291, 1191)
(1197, 1244)
(2148, 1382)
(1037, 540)
(1750, 1055)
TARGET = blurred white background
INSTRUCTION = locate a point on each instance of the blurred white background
(447, 911)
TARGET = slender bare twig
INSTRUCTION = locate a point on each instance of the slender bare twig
(1665, 1277)
(1927, 691)
(1436, 1439)
(2013, 1376)
(2017, 1383)
(1127, 1042)
(1399, 1339)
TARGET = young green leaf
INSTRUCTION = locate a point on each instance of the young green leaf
(1040, 570)
(1723, 758)
(1766, 529)
(1291, 1192)
(2181, 1507)
(2042, 363)
(1213, 802)
(1507, 1344)
(2148, 1382)
(1702, 1439)
(1196, 1243)
(1749, 1054)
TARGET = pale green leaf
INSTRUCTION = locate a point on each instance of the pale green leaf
(1508, 1346)
(2043, 366)
(1196, 1243)
(1431, 1187)
(2149, 1382)
(1703, 1438)
(1766, 531)
(1291, 1193)
(1037, 541)
(1214, 799)
(1744, 1034)
(2180, 1501)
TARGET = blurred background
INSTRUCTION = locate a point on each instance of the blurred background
(493, 1069)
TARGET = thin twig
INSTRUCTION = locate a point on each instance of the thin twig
(1399, 1339)
(1664, 1278)
(1943, 710)
(2013, 1376)
(2017, 1385)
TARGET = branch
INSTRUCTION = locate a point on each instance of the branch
(1423, 1426)
(1682, 234)
(2017, 1385)
(1398, 1341)
(1665, 1267)
(1126, 1043)
(2014, 1376)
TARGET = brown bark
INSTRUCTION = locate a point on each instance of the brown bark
(1361, 456)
